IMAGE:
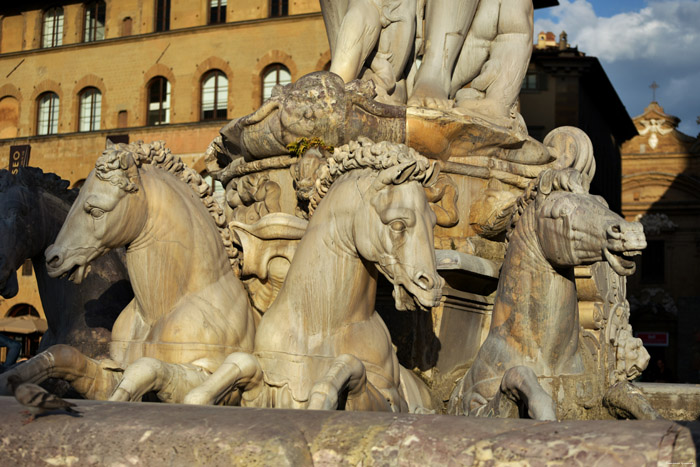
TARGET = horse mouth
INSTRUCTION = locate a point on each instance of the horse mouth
(77, 273)
(422, 300)
(619, 261)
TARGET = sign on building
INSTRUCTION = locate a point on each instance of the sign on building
(653, 339)
(19, 157)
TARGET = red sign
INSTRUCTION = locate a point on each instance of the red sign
(653, 339)
(19, 157)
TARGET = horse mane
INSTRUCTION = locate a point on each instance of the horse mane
(35, 178)
(366, 154)
(114, 163)
(548, 181)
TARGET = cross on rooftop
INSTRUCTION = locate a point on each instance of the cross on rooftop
(654, 87)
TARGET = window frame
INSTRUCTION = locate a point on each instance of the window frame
(95, 114)
(274, 67)
(278, 8)
(162, 15)
(57, 18)
(53, 113)
(217, 13)
(90, 30)
(219, 108)
(163, 111)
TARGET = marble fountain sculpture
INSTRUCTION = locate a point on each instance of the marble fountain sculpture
(391, 240)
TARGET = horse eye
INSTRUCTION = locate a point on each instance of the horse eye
(397, 226)
(96, 213)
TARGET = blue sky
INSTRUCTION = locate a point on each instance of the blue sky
(638, 42)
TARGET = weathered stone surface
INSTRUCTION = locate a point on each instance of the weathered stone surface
(110, 433)
(673, 401)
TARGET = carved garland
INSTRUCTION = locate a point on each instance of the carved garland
(113, 164)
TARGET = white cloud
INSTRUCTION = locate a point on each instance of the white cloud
(660, 42)
(664, 30)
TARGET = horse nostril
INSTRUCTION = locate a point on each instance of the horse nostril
(424, 281)
(54, 261)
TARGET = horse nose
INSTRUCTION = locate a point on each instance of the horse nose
(54, 258)
(424, 281)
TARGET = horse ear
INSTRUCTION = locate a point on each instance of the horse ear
(432, 174)
(397, 174)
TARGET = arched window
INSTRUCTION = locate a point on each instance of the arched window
(47, 115)
(52, 28)
(94, 21)
(9, 117)
(162, 15)
(158, 101)
(279, 8)
(90, 109)
(214, 95)
(274, 75)
(217, 11)
(126, 26)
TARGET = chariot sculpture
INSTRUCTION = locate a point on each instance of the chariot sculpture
(369, 255)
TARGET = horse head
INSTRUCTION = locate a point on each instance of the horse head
(24, 232)
(110, 212)
(575, 227)
(11, 222)
(395, 230)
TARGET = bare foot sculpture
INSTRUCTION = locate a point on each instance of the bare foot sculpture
(382, 29)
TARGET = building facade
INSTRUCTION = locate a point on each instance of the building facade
(78, 73)
(564, 87)
(661, 188)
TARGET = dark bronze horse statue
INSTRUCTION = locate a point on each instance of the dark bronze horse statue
(33, 207)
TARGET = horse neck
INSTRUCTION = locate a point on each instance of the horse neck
(328, 284)
(536, 303)
(48, 215)
(178, 251)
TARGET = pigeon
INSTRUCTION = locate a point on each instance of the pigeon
(37, 399)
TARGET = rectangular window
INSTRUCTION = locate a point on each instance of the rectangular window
(27, 268)
(94, 21)
(217, 11)
(162, 15)
(531, 82)
(654, 262)
(52, 30)
(278, 8)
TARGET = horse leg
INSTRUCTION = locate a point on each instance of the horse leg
(347, 373)
(415, 392)
(520, 385)
(170, 381)
(240, 371)
(91, 378)
(624, 400)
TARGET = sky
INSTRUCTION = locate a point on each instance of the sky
(638, 42)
